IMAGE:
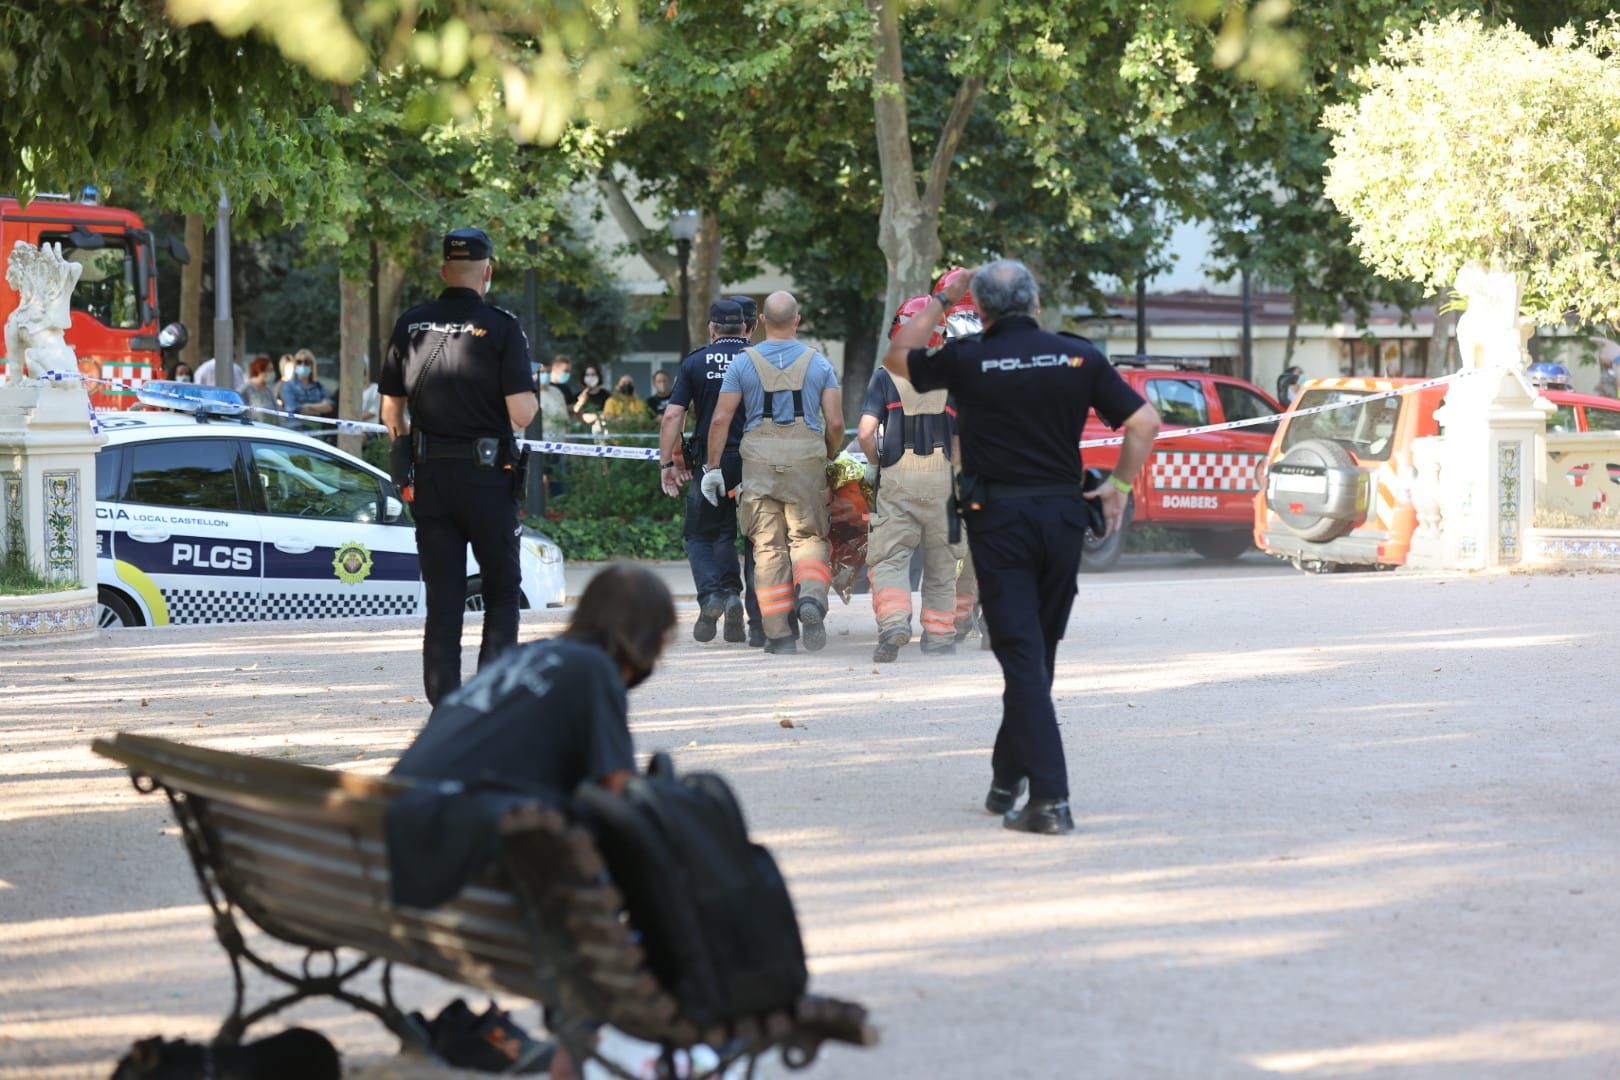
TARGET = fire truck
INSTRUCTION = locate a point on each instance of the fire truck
(115, 305)
(1204, 484)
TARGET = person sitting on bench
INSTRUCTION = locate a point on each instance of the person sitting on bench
(540, 720)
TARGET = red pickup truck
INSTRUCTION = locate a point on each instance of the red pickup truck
(1204, 484)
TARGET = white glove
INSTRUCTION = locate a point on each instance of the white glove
(713, 486)
(871, 475)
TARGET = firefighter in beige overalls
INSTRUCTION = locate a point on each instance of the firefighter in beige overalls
(909, 436)
(782, 505)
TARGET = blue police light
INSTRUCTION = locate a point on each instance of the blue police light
(191, 398)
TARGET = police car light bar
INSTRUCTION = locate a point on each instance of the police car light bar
(201, 401)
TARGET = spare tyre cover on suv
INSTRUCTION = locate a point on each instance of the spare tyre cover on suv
(1317, 490)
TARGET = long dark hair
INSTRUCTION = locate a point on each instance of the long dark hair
(627, 612)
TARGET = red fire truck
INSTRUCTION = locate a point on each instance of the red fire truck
(1204, 484)
(115, 304)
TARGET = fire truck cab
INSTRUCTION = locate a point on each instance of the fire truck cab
(1203, 484)
(115, 304)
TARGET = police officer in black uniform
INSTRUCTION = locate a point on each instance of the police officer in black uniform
(710, 532)
(461, 366)
(1022, 396)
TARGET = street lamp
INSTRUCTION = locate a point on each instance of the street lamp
(683, 226)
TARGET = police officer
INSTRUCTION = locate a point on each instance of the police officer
(710, 532)
(1022, 395)
(793, 422)
(462, 368)
(908, 437)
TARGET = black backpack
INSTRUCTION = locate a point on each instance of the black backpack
(710, 905)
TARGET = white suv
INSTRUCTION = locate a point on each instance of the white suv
(203, 520)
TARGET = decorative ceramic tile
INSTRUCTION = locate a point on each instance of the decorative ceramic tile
(1508, 458)
(62, 525)
(47, 621)
(13, 537)
(1604, 549)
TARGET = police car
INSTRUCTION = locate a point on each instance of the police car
(203, 517)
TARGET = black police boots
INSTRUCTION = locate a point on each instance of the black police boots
(734, 618)
(812, 625)
(888, 646)
(708, 615)
(1004, 796)
(1048, 816)
(756, 637)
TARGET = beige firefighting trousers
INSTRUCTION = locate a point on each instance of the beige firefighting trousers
(910, 514)
(783, 505)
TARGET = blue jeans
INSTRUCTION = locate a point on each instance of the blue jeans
(710, 533)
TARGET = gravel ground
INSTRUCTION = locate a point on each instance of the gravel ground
(1344, 826)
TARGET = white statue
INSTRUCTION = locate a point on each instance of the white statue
(1491, 332)
(44, 282)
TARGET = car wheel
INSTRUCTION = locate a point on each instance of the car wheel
(475, 596)
(113, 611)
(1220, 545)
(1317, 490)
(1100, 556)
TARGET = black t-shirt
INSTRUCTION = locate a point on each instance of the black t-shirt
(1022, 396)
(547, 715)
(697, 390)
(485, 358)
(928, 432)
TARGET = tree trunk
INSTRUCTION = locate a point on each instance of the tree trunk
(390, 287)
(908, 225)
(1438, 358)
(643, 239)
(191, 281)
(354, 332)
(704, 274)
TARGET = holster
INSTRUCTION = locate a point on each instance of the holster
(689, 453)
(521, 457)
(966, 497)
(402, 467)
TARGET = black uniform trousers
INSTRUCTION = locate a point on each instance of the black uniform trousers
(458, 503)
(710, 534)
(1026, 550)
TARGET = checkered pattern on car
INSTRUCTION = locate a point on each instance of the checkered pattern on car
(188, 606)
(280, 606)
(1204, 472)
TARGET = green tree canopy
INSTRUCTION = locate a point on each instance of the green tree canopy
(1475, 143)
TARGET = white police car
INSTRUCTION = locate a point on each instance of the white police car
(203, 518)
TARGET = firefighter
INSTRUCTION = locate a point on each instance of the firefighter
(907, 438)
(1023, 395)
(793, 423)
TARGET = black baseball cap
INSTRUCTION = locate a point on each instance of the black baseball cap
(467, 245)
(750, 310)
(726, 312)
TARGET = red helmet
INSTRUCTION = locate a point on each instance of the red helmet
(961, 318)
(907, 311)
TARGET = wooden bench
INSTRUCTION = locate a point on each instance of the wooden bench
(300, 851)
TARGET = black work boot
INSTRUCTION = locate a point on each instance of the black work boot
(708, 615)
(784, 646)
(734, 618)
(1004, 796)
(812, 625)
(938, 644)
(756, 636)
(888, 646)
(1048, 816)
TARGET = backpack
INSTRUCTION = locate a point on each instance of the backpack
(711, 907)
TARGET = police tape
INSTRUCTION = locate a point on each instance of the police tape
(361, 427)
(1272, 418)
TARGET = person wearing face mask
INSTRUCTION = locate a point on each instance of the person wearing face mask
(658, 400)
(182, 373)
(303, 394)
(461, 367)
(593, 396)
(555, 397)
(545, 718)
(624, 405)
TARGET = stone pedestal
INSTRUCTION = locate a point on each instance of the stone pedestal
(48, 505)
(1481, 473)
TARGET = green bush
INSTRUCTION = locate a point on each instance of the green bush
(609, 488)
(598, 539)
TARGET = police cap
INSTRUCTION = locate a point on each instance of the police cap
(750, 310)
(467, 245)
(725, 312)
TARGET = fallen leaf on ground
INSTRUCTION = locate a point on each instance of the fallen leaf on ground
(786, 722)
